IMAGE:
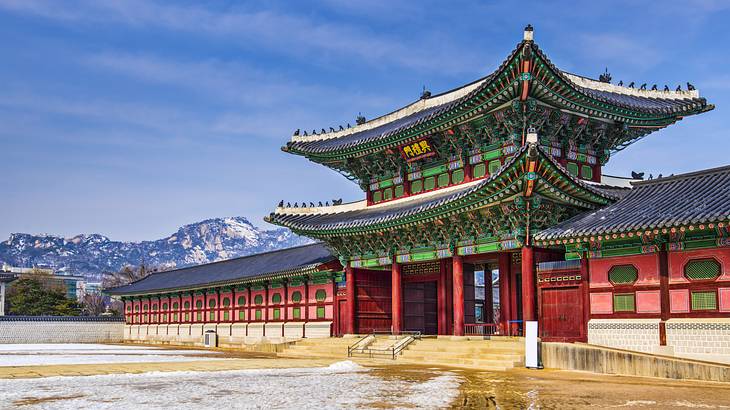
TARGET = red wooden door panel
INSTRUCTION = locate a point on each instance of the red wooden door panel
(420, 307)
(561, 313)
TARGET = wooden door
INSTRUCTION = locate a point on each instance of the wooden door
(561, 314)
(420, 307)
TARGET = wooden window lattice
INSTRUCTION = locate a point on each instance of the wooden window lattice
(706, 300)
(276, 298)
(479, 170)
(399, 191)
(320, 295)
(416, 186)
(573, 168)
(421, 268)
(623, 302)
(586, 172)
(296, 297)
(457, 176)
(443, 180)
(623, 274)
(702, 269)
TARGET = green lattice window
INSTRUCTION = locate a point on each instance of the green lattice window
(259, 315)
(479, 170)
(377, 196)
(226, 316)
(429, 183)
(320, 312)
(586, 172)
(276, 298)
(241, 315)
(388, 194)
(296, 297)
(241, 300)
(211, 303)
(320, 295)
(706, 300)
(623, 274)
(296, 313)
(443, 180)
(226, 302)
(457, 176)
(573, 168)
(277, 314)
(416, 186)
(154, 308)
(258, 300)
(399, 191)
(494, 166)
(164, 306)
(623, 302)
(702, 269)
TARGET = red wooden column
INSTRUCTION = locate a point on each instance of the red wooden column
(663, 295)
(458, 279)
(488, 295)
(584, 275)
(443, 327)
(528, 283)
(350, 298)
(505, 311)
(397, 297)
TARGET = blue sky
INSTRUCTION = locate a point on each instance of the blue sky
(131, 118)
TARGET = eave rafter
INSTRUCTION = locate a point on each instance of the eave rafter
(551, 181)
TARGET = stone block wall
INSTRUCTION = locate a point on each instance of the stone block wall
(60, 330)
(703, 339)
(640, 335)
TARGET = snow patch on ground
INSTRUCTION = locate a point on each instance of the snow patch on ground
(341, 385)
(49, 354)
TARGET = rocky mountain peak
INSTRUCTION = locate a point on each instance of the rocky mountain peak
(93, 254)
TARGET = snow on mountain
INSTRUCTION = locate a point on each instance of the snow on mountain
(93, 254)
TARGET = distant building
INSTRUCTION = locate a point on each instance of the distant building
(5, 277)
(73, 284)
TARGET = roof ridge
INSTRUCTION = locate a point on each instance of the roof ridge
(687, 175)
(369, 124)
(232, 259)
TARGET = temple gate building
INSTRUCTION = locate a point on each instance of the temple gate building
(487, 206)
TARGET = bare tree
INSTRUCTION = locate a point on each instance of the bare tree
(125, 276)
(94, 304)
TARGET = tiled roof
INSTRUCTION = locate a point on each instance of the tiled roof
(231, 271)
(693, 198)
(329, 218)
(669, 103)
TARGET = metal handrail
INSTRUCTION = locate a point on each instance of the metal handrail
(391, 351)
(398, 347)
(351, 349)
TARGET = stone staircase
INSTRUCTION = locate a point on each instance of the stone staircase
(328, 348)
(497, 353)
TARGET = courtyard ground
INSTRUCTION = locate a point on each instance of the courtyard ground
(143, 377)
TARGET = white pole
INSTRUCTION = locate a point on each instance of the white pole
(531, 359)
(2, 298)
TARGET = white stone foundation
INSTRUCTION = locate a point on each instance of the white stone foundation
(696, 338)
(641, 335)
(701, 339)
(228, 333)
